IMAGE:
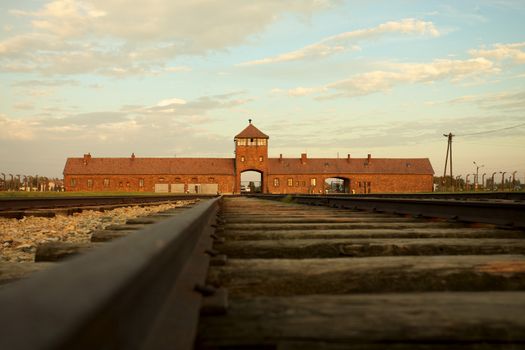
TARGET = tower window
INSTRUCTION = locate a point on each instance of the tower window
(242, 158)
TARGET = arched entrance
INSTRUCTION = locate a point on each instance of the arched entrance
(251, 181)
(337, 185)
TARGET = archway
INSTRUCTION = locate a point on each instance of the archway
(251, 181)
(337, 185)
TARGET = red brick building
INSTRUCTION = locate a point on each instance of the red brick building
(223, 175)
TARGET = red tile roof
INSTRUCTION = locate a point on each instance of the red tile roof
(149, 166)
(225, 166)
(251, 132)
(354, 166)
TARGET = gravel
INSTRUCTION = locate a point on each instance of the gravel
(19, 238)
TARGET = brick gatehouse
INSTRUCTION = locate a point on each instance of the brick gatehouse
(223, 175)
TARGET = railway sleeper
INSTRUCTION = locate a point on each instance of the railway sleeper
(379, 233)
(466, 320)
(287, 277)
(362, 247)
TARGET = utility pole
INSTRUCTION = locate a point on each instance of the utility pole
(447, 158)
(476, 181)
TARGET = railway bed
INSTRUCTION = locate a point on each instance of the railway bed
(278, 274)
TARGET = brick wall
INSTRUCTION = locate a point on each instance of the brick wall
(384, 183)
(130, 183)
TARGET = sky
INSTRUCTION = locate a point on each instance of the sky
(170, 78)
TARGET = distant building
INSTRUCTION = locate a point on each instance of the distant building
(223, 175)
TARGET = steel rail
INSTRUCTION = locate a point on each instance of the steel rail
(65, 202)
(515, 196)
(490, 212)
(135, 293)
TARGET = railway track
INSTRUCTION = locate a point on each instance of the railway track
(51, 206)
(279, 274)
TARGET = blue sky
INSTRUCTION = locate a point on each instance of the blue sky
(326, 77)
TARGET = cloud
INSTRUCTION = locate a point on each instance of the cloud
(400, 73)
(24, 106)
(178, 69)
(171, 101)
(347, 41)
(302, 91)
(502, 101)
(45, 83)
(105, 37)
(13, 129)
(167, 113)
(501, 52)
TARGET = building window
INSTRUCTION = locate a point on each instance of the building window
(161, 179)
(90, 183)
(313, 182)
(252, 142)
(73, 182)
(261, 159)
(290, 182)
(276, 182)
(241, 142)
(242, 158)
(141, 182)
(211, 179)
(106, 182)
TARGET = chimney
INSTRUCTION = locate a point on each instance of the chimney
(369, 158)
(280, 158)
(87, 158)
(303, 158)
(133, 156)
(348, 158)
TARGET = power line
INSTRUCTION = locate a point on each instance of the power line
(494, 130)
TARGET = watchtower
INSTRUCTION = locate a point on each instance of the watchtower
(251, 154)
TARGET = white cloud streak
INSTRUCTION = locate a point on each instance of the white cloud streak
(513, 52)
(348, 41)
(400, 73)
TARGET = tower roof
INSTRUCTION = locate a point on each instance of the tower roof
(251, 132)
